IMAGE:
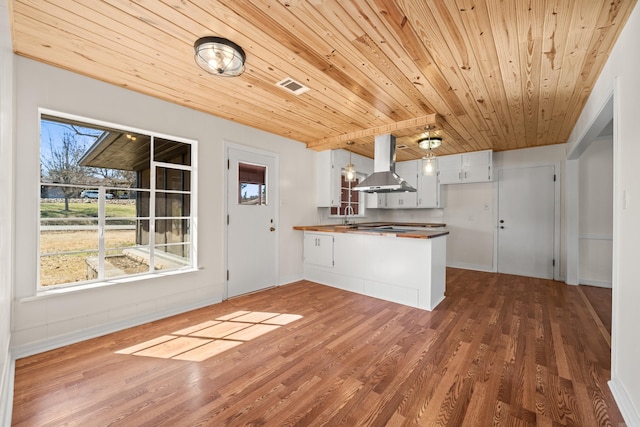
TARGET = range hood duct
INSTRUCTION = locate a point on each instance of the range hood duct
(384, 178)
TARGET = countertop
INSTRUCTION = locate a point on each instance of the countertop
(371, 228)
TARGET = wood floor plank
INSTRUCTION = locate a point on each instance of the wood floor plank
(499, 350)
(600, 300)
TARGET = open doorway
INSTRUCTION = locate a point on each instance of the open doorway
(595, 225)
(591, 204)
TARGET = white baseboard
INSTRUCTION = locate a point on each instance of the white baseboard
(598, 283)
(67, 339)
(625, 404)
(474, 267)
(290, 279)
(6, 388)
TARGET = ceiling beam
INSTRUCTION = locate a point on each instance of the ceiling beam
(340, 140)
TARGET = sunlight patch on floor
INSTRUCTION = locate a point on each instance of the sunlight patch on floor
(207, 339)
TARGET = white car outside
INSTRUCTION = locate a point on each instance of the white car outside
(93, 194)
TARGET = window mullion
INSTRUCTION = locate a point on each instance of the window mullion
(101, 228)
(152, 207)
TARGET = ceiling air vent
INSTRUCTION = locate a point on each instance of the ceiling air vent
(401, 147)
(292, 86)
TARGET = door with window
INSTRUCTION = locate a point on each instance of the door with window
(252, 198)
(526, 221)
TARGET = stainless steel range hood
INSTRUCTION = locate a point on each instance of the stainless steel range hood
(384, 178)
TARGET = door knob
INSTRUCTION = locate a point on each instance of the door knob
(272, 229)
(502, 221)
(502, 226)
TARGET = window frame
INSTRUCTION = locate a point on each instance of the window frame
(361, 198)
(152, 218)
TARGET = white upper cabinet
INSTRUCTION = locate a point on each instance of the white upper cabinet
(466, 167)
(428, 191)
(427, 196)
(329, 167)
(405, 200)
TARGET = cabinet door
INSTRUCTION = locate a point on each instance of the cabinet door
(467, 167)
(477, 158)
(451, 162)
(318, 249)
(339, 160)
(476, 166)
(450, 176)
(323, 178)
(405, 200)
(449, 169)
(477, 174)
(376, 200)
(428, 191)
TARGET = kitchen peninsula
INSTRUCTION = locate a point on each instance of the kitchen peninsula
(399, 262)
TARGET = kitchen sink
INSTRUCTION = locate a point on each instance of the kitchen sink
(388, 229)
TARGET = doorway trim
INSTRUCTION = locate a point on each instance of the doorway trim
(572, 213)
(275, 194)
(557, 170)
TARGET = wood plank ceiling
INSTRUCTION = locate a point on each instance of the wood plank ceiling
(499, 74)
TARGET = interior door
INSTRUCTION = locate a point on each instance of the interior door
(252, 198)
(526, 221)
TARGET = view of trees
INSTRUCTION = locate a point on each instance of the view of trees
(62, 147)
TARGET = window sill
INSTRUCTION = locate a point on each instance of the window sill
(48, 293)
(350, 216)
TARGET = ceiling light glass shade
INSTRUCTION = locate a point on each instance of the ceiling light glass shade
(350, 170)
(219, 56)
(428, 164)
(350, 173)
(429, 143)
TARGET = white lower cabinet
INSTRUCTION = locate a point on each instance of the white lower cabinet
(401, 270)
(318, 249)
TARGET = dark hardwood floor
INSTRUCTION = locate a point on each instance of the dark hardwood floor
(500, 350)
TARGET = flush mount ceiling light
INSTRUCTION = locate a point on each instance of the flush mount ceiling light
(219, 56)
(429, 143)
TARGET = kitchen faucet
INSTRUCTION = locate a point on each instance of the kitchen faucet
(348, 211)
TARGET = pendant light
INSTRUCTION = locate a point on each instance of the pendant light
(428, 161)
(427, 164)
(219, 56)
(350, 171)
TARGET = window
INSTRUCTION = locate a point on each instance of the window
(113, 203)
(349, 199)
(252, 184)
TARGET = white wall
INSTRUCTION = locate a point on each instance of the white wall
(596, 214)
(6, 213)
(469, 215)
(620, 77)
(44, 322)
